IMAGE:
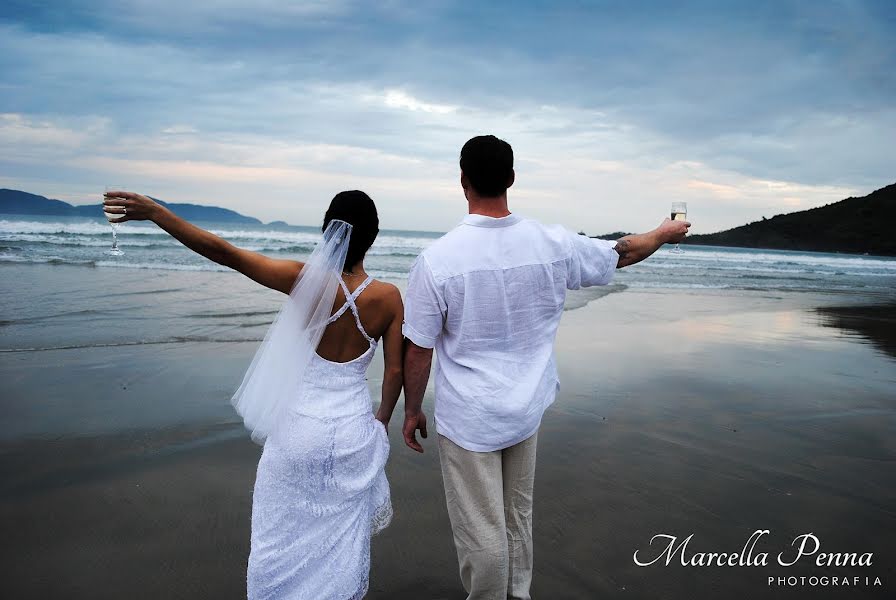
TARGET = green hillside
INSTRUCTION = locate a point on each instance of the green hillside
(858, 225)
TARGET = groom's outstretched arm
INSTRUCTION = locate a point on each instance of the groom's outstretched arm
(417, 363)
(637, 247)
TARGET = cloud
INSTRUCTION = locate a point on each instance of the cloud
(19, 133)
(741, 111)
(719, 190)
(400, 99)
(180, 130)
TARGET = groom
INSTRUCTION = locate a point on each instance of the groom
(489, 296)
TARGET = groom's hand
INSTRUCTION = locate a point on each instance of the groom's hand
(413, 422)
(673, 232)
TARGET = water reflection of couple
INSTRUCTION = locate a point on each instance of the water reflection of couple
(488, 296)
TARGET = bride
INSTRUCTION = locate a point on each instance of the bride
(321, 489)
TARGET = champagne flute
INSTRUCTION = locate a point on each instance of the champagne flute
(679, 213)
(114, 250)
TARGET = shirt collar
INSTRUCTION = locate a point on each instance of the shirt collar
(483, 221)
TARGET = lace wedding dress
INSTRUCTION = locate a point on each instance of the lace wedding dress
(321, 489)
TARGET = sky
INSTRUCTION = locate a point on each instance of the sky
(614, 109)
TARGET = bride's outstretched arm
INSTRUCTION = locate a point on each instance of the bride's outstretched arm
(277, 274)
(392, 361)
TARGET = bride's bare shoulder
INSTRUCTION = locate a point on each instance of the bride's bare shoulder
(384, 289)
(386, 293)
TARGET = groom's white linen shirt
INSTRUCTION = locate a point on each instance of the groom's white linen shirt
(488, 296)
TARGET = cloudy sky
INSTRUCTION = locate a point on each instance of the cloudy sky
(614, 109)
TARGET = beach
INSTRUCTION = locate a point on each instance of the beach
(710, 412)
(723, 421)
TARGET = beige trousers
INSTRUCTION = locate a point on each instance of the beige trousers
(489, 497)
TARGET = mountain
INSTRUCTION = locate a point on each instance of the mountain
(859, 225)
(22, 203)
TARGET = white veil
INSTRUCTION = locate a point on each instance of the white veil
(274, 378)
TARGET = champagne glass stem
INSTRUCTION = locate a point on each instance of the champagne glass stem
(114, 250)
(679, 213)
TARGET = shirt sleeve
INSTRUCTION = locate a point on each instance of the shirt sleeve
(424, 306)
(591, 262)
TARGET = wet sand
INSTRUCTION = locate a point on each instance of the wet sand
(125, 474)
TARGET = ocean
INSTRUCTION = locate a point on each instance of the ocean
(81, 241)
(161, 292)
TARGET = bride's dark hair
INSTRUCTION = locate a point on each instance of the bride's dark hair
(357, 208)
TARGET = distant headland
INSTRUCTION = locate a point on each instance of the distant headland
(22, 203)
(856, 225)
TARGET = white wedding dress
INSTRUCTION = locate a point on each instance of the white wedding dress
(321, 488)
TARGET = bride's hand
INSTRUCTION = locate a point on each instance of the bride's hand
(131, 206)
(383, 420)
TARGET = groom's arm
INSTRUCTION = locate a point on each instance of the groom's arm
(417, 363)
(424, 318)
(635, 248)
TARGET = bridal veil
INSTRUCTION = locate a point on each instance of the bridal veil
(277, 372)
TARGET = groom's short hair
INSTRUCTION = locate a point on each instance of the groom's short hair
(487, 163)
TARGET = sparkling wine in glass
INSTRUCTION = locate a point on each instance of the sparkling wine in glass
(679, 213)
(114, 250)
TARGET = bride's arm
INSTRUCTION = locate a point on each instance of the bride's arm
(392, 359)
(277, 274)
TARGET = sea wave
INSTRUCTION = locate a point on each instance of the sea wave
(96, 233)
(734, 256)
(230, 315)
(85, 227)
(6, 257)
(42, 239)
(398, 272)
(171, 340)
(116, 264)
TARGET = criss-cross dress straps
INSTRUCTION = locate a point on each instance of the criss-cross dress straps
(350, 298)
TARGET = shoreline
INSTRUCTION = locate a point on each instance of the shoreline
(793, 250)
(238, 324)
